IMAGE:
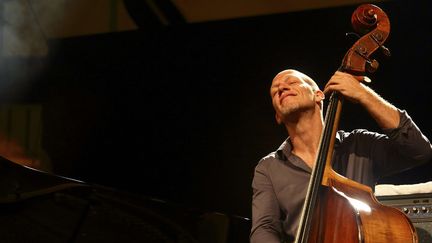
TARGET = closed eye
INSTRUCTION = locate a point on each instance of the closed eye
(294, 82)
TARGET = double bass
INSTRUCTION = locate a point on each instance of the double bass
(338, 209)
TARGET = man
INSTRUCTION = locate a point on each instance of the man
(281, 178)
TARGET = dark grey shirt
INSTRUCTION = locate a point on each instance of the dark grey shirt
(281, 178)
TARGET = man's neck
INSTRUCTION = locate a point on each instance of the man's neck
(305, 136)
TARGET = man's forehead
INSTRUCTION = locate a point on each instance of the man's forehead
(287, 73)
(291, 73)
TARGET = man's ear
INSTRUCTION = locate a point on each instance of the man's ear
(319, 95)
(278, 118)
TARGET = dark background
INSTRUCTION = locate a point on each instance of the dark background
(182, 112)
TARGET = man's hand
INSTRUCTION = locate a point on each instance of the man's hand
(348, 85)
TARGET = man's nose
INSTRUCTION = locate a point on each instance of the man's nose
(283, 87)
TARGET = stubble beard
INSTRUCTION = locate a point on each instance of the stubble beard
(292, 112)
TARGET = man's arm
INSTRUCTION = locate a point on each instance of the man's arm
(385, 114)
(266, 225)
(408, 146)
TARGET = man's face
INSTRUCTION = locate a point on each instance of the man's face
(291, 94)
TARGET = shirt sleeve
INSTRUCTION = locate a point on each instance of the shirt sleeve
(266, 226)
(408, 147)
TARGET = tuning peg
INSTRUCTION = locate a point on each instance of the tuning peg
(377, 37)
(385, 51)
(353, 34)
(372, 65)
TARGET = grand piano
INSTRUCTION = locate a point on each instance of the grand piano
(36, 206)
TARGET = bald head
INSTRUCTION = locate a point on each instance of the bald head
(287, 77)
(301, 75)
